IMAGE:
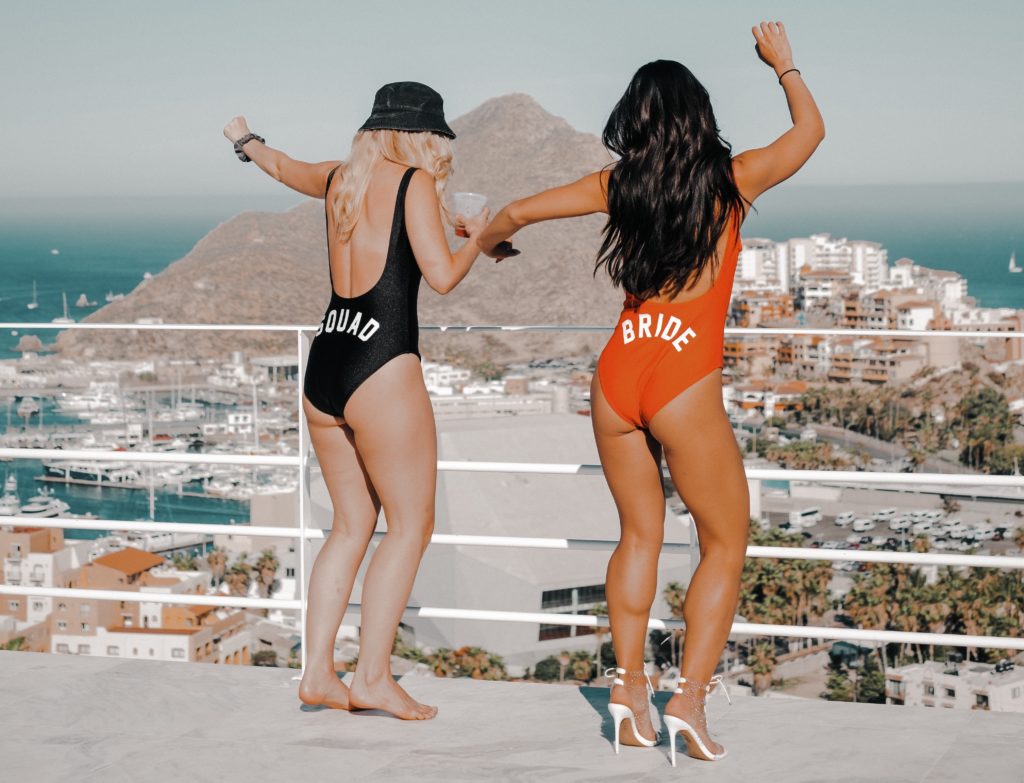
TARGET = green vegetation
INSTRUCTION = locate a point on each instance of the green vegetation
(580, 667)
(975, 415)
(976, 601)
(466, 661)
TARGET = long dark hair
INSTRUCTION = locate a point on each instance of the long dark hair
(671, 192)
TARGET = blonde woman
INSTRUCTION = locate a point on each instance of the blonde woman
(368, 413)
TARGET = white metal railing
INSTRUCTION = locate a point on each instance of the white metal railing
(305, 533)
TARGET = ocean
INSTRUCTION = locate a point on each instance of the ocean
(107, 245)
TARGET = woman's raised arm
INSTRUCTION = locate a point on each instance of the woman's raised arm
(757, 170)
(307, 178)
(582, 197)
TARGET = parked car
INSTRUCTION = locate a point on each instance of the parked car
(807, 517)
(845, 518)
(854, 539)
(862, 525)
(957, 530)
(922, 528)
(900, 523)
(884, 514)
(879, 540)
(934, 515)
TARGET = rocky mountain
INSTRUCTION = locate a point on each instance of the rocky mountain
(272, 267)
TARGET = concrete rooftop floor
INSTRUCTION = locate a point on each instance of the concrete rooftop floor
(96, 719)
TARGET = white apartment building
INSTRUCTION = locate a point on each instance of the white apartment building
(965, 686)
(916, 315)
(441, 378)
(762, 267)
(870, 265)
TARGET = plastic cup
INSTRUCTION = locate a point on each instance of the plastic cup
(469, 205)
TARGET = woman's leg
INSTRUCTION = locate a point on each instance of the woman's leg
(330, 582)
(393, 423)
(707, 470)
(632, 467)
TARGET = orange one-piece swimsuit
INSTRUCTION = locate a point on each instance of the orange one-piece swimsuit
(660, 349)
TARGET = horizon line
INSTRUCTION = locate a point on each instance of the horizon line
(249, 194)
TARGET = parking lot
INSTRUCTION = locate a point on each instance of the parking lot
(978, 527)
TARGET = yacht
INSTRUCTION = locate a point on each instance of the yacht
(43, 505)
(9, 503)
(83, 301)
(64, 319)
(109, 473)
(27, 407)
(1013, 264)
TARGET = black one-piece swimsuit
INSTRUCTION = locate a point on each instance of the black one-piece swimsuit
(358, 335)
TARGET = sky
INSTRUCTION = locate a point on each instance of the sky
(129, 98)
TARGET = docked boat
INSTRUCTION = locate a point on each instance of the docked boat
(83, 301)
(43, 505)
(102, 473)
(27, 407)
(9, 503)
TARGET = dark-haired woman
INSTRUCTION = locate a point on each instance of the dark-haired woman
(675, 200)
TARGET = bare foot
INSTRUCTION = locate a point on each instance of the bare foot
(689, 706)
(635, 697)
(388, 695)
(323, 689)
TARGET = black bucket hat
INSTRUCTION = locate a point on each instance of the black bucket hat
(408, 106)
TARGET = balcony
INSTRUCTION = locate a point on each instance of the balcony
(77, 717)
(184, 718)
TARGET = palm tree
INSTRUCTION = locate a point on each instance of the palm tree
(266, 572)
(1018, 537)
(761, 659)
(675, 596)
(217, 559)
(239, 576)
(600, 631)
(581, 665)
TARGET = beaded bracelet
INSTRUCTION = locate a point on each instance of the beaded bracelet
(785, 72)
(242, 142)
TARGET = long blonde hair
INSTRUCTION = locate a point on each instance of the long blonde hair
(428, 151)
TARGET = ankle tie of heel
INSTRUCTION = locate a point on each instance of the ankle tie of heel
(631, 673)
(706, 686)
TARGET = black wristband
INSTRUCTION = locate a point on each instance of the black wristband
(242, 142)
(785, 72)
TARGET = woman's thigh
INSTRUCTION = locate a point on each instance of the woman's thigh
(393, 423)
(705, 462)
(631, 461)
(352, 494)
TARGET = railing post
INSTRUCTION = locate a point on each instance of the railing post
(303, 489)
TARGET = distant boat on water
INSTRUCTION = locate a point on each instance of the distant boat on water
(54, 252)
(1013, 264)
(65, 319)
(35, 299)
(83, 301)
(112, 297)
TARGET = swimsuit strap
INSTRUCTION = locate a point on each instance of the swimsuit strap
(327, 225)
(398, 221)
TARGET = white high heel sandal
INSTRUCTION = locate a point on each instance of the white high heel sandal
(694, 741)
(621, 712)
